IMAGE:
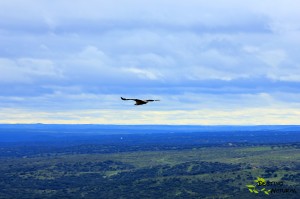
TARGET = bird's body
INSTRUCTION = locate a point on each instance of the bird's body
(138, 101)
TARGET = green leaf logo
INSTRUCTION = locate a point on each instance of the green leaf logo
(258, 182)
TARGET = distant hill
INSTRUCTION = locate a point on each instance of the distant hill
(147, 133)
(104, 128)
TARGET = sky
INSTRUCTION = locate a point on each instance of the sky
(218, 62)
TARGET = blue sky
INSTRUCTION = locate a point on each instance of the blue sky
(209, 62)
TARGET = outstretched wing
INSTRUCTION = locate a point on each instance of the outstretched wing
(128, 99)
(151, 100)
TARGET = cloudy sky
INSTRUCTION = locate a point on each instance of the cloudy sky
(209, 62)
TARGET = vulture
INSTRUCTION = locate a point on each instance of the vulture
(139, 102)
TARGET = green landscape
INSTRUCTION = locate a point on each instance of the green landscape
(194, 172)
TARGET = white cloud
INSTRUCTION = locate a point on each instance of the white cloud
(273, 57)
(10, 72)
(39, 67)
(26, 70)
(142, 73)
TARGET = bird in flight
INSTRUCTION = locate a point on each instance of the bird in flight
(139, 102)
